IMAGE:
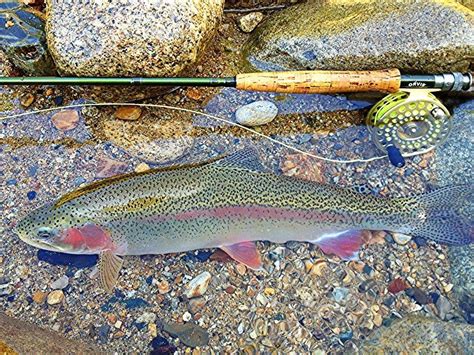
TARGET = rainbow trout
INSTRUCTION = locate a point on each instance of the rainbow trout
(230, 203)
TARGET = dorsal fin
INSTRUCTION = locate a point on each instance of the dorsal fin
(246, 158)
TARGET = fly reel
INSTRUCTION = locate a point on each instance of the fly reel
(408, 123)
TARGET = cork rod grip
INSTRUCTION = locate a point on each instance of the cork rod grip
(321, 81)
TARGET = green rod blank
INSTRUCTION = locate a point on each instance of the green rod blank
(52, 80)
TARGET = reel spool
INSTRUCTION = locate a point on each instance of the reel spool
(408, 123)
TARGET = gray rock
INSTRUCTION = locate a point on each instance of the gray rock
(23, 40)
(427, 36)
(443, 306)
(248, 22)
(129, 38)
(421, 335)
(60, 283)
(190, 334)
(256, 114)
(340, 294)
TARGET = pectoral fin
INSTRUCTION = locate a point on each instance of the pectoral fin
(245, 253)
(109, 268)
(344, 244)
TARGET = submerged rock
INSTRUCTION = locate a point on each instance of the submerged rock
(427, 36)
(462, 274)
(420, 335)
(6, 68)
(147, 39)
(26, 338)
(256, 113)
(23, 40)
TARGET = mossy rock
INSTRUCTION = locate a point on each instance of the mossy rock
(22, 38)
(425, 36)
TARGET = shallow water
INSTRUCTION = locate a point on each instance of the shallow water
(284, 307)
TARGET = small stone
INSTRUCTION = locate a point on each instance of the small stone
(194, 93)
(340, 293)
(163, 287)
(187, 316)
(262, 299)
(60, 283)
(257, 113)
(152, 329)
(65, 120)
(128, 113)
(401, 239)
(419, 296)
(448, 288)
(241, 269)
(27, 100)
(378, 319)
(39, 297)
(196, 304)
(142, 167)
(190, 334)
(118, 324)
(147, 317)
(55, 297)
(269, 291)
(308, 265)
(107, 167)
(443, 306)
(318, 267)
(198, 286)
(397, 285)
(248, 22)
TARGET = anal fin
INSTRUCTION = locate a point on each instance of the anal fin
(345, 244)
(245, 253)
(109, 268)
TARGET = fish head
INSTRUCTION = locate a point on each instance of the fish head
(62, 230)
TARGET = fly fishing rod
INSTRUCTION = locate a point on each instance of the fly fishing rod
(407, 122)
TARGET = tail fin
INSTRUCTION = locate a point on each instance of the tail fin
(448, 215)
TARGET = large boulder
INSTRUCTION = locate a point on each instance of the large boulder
(22, 38)
(420, 335)
(142, 38)
(414, 36)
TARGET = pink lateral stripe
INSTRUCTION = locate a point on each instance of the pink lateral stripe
(253, 212)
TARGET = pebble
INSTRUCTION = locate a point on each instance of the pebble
(142, 167)
(118, 324)
(60, 283)
(103, 333)
(107, 167)
(55, 297)
(27, 100)
(419, 296)
(39, 297)
(401, 239)
(198, 286)
(147, 317)
(340, 293)
(448, 288)
(196, 304)
(152, 329)
(443, 306)
(187, 316)
(189, 334)
(31, 195)
(256, 114)
(248, 22)
(397, 285)
(65, 120)
(163, 287)
(241, 269)
(128, 113)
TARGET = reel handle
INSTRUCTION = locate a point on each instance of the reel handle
(321, 81)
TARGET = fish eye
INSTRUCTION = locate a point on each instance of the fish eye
(44, 233)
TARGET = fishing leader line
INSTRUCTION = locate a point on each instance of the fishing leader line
(217, 118)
